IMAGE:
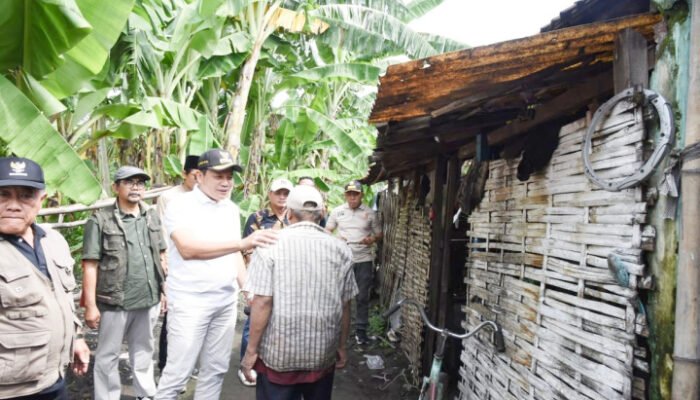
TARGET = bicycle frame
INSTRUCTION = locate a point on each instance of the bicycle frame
(433, 388)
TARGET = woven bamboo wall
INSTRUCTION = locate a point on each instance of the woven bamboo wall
(406, 267)
(538, 265)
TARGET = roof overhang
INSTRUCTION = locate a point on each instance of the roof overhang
(438, 105)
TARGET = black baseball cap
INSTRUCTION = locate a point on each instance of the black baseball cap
(18, 171)
(129, 171)
(354, 186)
(191, 163)
(218, 160)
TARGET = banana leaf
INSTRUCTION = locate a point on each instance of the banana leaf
(358, 72)
(29, 134)
(202, 139)
(88, 57)
(341, 138)
(369, 31)
(284, 143)
(34, 34)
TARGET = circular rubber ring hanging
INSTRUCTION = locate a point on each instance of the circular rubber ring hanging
(663, 146)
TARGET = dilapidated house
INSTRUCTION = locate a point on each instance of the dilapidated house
(535, 182)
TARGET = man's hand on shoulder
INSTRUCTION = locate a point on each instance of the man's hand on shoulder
(259, 238)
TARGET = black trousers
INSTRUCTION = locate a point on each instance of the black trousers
(61, 394)
(163, 344)
(319, 390)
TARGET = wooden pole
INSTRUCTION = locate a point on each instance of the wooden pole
(436, 261)
(686, 350)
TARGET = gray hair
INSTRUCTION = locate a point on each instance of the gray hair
(314, 216)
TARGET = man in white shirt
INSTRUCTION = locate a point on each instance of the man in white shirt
(205, 274)
(190, 172)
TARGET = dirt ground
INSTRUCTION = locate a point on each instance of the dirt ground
(355, 382)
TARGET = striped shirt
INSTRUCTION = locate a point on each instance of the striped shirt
(309, 275)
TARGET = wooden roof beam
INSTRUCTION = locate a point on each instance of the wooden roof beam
(576, 98)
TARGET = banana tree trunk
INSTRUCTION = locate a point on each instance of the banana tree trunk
(103, 165)
(236, 116)
(252, 171)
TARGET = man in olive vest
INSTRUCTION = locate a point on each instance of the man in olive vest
(122, 281)
(37, 321)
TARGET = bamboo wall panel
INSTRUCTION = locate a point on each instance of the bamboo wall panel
(538, 265)
(405, 267)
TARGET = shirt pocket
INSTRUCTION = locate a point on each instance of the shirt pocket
(64, 265)
(110, 276)
(23, 356)
(18, 291)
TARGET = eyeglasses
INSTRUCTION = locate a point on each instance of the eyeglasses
(134, 183)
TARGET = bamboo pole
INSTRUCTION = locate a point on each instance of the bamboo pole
(98, 204)
(686, 352)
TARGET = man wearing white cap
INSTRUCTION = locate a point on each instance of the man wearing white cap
(300, 313)
(272, 218)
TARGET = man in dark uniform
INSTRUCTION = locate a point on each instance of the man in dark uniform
(37, 319)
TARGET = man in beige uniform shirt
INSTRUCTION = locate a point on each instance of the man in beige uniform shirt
(359, 227)
(37, 320)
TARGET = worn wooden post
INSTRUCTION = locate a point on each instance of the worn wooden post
(630, 69)
(451, 188)
(630, 65)
(436, 259)
(686, 350)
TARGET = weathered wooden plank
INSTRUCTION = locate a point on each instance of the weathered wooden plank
(581, 303)
(596, 198)
(593, 239)
(552, 354)
(562, 270)
(592, 354)
(554, 309)
(607, 229)
(605, 345)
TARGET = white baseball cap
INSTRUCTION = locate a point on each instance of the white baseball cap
(304, 194)
(281, 183)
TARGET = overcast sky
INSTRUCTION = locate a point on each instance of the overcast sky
(481, 22)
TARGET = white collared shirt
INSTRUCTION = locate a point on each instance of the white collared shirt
(210, 281)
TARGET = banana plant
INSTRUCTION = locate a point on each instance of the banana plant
(51, 49)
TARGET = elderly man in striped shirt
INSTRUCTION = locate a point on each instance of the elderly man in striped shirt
(300, 315)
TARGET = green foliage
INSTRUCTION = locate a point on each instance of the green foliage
(29, 134)
(377, 324)
(146, 82)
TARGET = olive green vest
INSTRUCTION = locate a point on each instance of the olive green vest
(113, 260)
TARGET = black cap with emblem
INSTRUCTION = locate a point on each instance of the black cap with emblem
(218, 160)
(18, 171)
(354, 186)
